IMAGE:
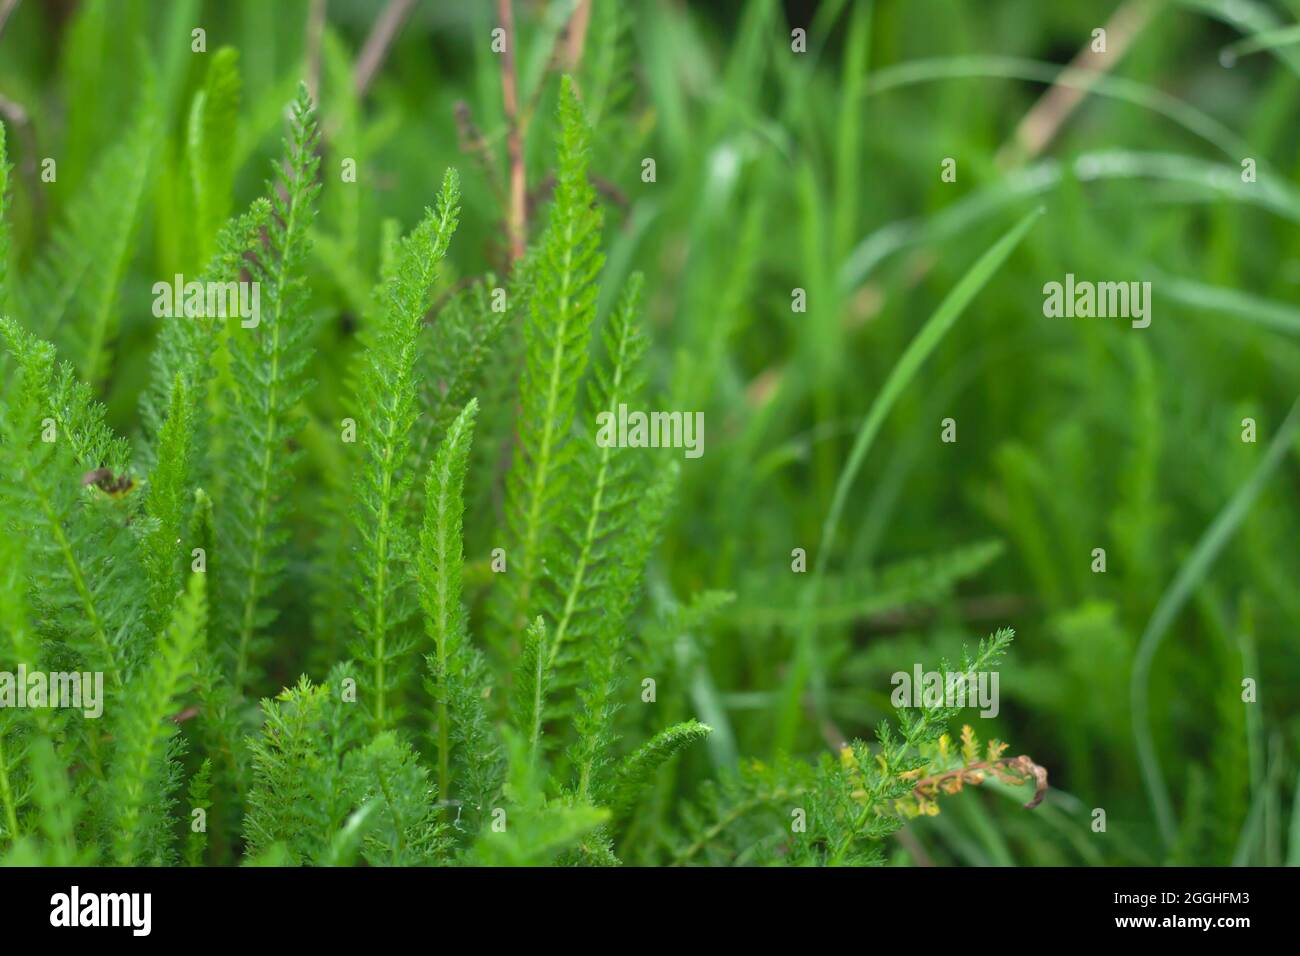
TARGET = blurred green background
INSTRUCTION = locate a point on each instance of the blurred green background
(821, 171)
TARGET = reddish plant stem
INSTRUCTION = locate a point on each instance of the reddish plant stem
(516, 213)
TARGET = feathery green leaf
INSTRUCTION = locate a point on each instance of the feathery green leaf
(386, 411)
(557, 330)
(269, 363)
(145, 773)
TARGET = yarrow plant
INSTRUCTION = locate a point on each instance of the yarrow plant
(465, 706)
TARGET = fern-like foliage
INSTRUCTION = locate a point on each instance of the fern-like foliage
(605, 656)
(402, 827)
(67, 499)
(587, 598)
(611, 532)
(213, 120)
(608, 74)
(637, 771)
(269, 374)
(167, 506)
(455, 355)
(56, 811)
(519, 746)
(324, 790)
(17, 646)
(81, 541)
(464, 739)
(386, 403)
(199, 797)
(17, 641)
(771, 600)
(740, 818)
(73, 289)
(145, 772)
(557, 330)
(529, 828)
(186, 343)
(836, 812)
(292, 795)
(532, 676)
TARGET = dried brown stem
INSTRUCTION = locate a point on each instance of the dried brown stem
(566, 55)
(6, 7)
(1044, 120)
(315, 30)
(574, 36)
(1010, 769)
(516, 213)
(375, 50)
(1041, 124)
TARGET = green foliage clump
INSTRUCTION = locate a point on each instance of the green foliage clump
(364, 590)
(510, 749)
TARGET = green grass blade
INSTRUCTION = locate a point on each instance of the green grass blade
(931, 334)
(1191, 573)
(1196, 122)
(1269, 313)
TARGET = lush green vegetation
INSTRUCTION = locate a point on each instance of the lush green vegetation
(363, 585)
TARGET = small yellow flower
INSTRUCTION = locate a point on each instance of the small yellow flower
(970, 745)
